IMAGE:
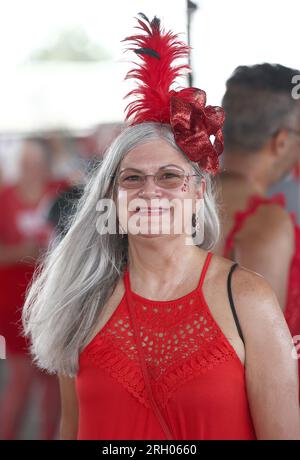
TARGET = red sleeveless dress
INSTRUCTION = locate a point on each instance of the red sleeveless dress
(292, 308)
(196, 377)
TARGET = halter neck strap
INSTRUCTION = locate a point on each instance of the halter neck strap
(200, 283)
(204, 269)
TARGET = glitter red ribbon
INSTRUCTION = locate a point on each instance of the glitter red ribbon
(193, 123)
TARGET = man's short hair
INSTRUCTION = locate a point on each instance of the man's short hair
(258, 102)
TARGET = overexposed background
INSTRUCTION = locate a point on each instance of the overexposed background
(48, 94)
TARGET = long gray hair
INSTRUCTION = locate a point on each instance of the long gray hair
(78, 274)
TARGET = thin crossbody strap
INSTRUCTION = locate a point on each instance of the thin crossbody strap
(234, 313)
(146, 376)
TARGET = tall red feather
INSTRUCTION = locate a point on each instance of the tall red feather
(155, 73)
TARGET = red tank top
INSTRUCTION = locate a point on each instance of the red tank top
(292, 308)
(196, 377)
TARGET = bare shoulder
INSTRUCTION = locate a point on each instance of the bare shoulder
(266, 245)
(254, 298)
(273, 213)
(269, 221)
(253, 292)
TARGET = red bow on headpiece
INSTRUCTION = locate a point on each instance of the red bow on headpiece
(192, 122)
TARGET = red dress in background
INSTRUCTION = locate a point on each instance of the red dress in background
(19, 222)
(292, 308)
(197, 379)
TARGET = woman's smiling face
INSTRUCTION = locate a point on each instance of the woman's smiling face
(142, 206)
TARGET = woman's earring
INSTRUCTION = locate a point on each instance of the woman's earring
(198, 225)
(196, 222)
(193, 220)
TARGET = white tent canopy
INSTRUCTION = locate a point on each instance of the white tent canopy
(71, 96)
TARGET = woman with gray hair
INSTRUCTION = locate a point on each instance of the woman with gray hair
(136, 316)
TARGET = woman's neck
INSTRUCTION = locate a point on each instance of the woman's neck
(161, 256)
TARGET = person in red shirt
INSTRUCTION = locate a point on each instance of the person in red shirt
(262, 146)
(138, 319)
(24, 235)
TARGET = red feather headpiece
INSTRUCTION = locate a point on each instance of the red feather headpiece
(185, 110)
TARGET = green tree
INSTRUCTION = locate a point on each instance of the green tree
(71, 45)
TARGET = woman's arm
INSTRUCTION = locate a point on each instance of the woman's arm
(69, 408)
(271, 370)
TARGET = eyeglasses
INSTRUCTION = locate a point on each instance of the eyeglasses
(168, 179)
